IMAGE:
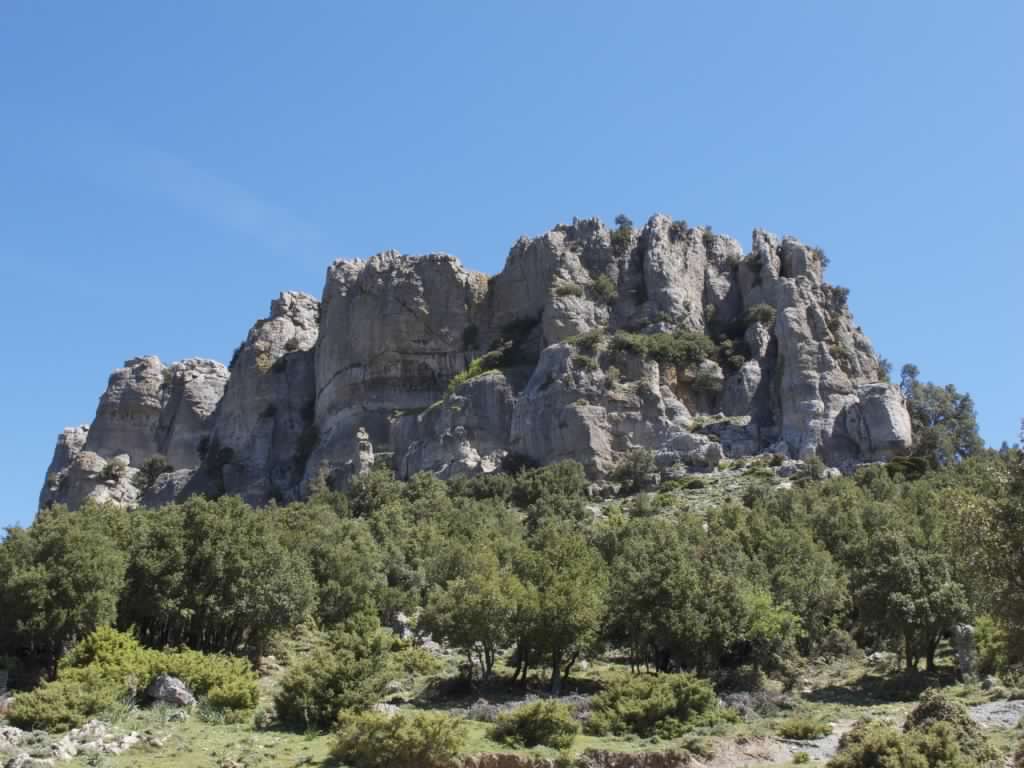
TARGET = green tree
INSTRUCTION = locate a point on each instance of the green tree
(943, 421)
(60, 579)
(475, 612)
(570, 582)
(909, 593)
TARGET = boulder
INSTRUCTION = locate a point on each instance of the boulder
(170, 690)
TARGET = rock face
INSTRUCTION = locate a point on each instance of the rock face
(420, 364)
(148, 409)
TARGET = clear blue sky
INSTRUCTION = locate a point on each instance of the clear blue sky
(168, 168)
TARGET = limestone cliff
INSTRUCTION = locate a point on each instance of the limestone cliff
(589, 343)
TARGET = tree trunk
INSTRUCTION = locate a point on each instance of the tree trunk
(556, 672)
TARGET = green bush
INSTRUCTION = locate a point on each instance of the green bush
(760, 313)
(584, 363)
(568, 289)
(938, 734)
(541, 723)
(934, 707)
(622, 236)
(992, 641)
(108, 667)
(803, 728)
(679, 348)
(588, 342)
(65, 703)
(113, 470)
(635, 470)
(604, 289)
(879, 745)
(150, 470)
(348, 672)
(479, 366)
(666, 705)
(402, 740)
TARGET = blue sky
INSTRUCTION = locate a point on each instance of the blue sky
(168, 168)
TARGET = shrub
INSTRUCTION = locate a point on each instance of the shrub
(588, 342)
(541, 723)
(604, 289)
(872, 744)
(936, 708)
(584, 363)
(402, 740)
(348, 672)
(622, 236)
(992, 641)
(568, 289)
(838, 644)
(707, 381)
(150, 470)
(679, 348)
(113, 470)
(803, 728)
(63, 704)
(109, 667)
(840, 295)
(669, 705)
(477, 367)
(635, 470)
(760, 313)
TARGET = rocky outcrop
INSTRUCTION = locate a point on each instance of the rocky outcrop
(590, 343)
(147, 410)
(264, 425)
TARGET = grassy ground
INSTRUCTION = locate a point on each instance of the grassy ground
(835, 694)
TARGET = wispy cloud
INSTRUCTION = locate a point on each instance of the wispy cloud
(220, 201)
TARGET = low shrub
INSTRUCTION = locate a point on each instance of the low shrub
(635, 470)
(479, 366)
(604, 289)
(838, 644)
(588, 342)
(540, 723)
(113, 470)
(666, 705)
(347, 672)
(401, 740)
(803, 728)
(760, 313)
(938, 734)
(63, 704)
(678, 348)
(109, 667)
(150, 470)
(568, 289)
(935, 708)
(584, 363)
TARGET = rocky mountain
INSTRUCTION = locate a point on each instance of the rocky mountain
(589, 343)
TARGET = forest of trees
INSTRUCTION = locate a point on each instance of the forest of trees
(528, 563)
(526, 576)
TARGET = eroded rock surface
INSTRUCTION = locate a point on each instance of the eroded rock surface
(323, 390)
